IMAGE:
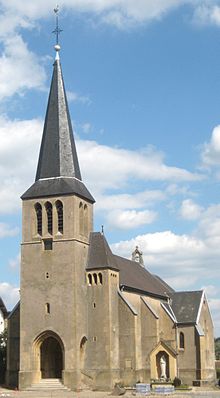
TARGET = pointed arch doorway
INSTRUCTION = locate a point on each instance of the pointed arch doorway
(50, 354)
(51, 359)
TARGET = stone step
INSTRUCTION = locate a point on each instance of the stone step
(48, 384)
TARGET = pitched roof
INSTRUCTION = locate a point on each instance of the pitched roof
(132, 276)
(58, 171)
(168, 288)
(100, 254)
(186, 305)
(57, 187)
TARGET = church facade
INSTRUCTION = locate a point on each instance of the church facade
(86, 316)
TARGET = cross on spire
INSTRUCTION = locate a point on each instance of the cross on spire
(57, 30)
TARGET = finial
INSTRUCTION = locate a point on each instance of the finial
(57, 32)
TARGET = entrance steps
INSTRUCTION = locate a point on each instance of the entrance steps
(48, 384)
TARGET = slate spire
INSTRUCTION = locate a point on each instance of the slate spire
(58, 171)
(58, 157)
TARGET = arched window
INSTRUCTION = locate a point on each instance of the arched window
(47, 308)
(95, 279)
(90, 279)
(49, 210)
(85, 229)
(100, 278)
(59, 207)
(38, 210)
(182, 340)
(81, 218)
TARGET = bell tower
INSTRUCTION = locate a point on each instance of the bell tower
(57, 220)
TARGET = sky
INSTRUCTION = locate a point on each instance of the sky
(143, 84)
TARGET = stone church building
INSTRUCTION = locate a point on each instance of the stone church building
(87, 316)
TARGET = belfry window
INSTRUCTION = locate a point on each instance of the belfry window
(100, 278)
(59, 207)
(81, 218)
(90, 279)
(49, 210)
(182, 340)
(38, 210)
(85, 226)
(95, 279)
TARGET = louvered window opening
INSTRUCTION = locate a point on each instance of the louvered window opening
(49, 211)
(38, 210)
(59, 207)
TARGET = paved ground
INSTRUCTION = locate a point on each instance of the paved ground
(196, 393)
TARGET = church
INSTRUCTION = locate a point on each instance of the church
(86, 316)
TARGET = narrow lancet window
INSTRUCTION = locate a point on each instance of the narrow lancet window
(81, 218)
(49, 210)
(100, 278)
(95, 279)
(90, 279)
(47, 308)
(59, 207)
(182, 340)
(38, 210)
(85, 226)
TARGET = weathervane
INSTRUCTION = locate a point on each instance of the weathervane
(57, 30)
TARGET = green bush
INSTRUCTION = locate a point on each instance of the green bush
(176, 382)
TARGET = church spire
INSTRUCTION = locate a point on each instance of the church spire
(58, 157)
(58, 171)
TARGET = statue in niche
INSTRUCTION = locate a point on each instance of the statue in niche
(137, 256)
(163, 365)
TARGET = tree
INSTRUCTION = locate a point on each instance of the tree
(3, 348)
(217, 348)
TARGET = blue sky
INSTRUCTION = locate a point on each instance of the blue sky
(143, 82)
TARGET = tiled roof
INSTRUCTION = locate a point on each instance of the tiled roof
(132, 276)
(100, 254)
(57, 187)
(186, 305)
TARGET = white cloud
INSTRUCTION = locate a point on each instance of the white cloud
(9, 294)
(211, 290)
(214, 304)
(17, 16)
(129, 219)
(182, 282)
(209, 225)
(175, 257)
(6, 230)
(18, 159)
(29, 73)
(129, 200)
(162, 248)
(117, 12)
(114, 167)
(190, 210)
(211, 150)
(207, 14)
